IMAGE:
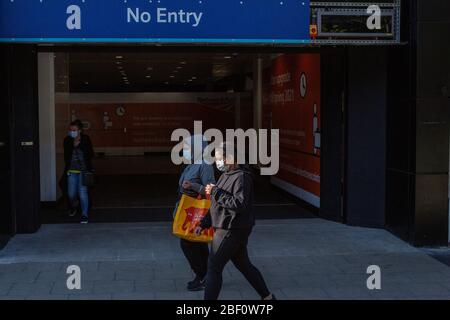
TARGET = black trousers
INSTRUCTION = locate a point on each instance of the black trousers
(231, 245)
(197, 255)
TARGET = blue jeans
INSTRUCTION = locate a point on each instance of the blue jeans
(76, 189)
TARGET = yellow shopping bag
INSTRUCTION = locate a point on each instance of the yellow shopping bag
(190, 213)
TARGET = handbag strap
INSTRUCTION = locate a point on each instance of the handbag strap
(207, 197)
(82, 167)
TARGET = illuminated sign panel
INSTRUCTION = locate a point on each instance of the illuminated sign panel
(163, 21)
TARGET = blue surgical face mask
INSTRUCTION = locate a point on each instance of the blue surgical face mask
(187, 154)
(221, 166)
(73, 134)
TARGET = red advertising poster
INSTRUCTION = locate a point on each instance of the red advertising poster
(293, 94)
(301, 170)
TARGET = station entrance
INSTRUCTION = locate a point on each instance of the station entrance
(309, 94)
(370, 149)
(130, 102)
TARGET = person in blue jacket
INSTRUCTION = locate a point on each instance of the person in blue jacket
(192, 182)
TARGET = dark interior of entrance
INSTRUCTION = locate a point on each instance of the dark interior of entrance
(126, 101)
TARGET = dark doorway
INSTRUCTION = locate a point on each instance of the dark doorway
(366, 137)
(333, 135)
(137, 182)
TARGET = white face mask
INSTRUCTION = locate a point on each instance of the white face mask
(221, 166)
(73, 134)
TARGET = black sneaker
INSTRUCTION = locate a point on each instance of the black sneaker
(84, 220)
(197, 284)
(74, 208)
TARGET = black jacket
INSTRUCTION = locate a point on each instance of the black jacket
(232, 201)
(86, 148)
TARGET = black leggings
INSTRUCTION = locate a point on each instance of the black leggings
(231, 245)
(197, 255)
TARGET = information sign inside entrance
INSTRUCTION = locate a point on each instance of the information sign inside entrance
(157, 21)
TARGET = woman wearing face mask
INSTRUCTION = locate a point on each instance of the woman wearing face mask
(192, 182)
(233, 220)
(78, 154)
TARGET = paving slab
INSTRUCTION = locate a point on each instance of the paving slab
(300, 259)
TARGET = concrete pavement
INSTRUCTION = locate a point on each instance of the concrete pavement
(300, 259)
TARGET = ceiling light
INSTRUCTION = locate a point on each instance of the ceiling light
(172, 76)
(148, 77)
(183, 62)
(227, 57)
(119, 57)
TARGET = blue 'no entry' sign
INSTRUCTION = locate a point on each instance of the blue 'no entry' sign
(180, 21)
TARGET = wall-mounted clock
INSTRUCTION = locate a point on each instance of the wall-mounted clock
(303, 85)
(120, 111)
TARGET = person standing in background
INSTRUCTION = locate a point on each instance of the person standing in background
(78, 155)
